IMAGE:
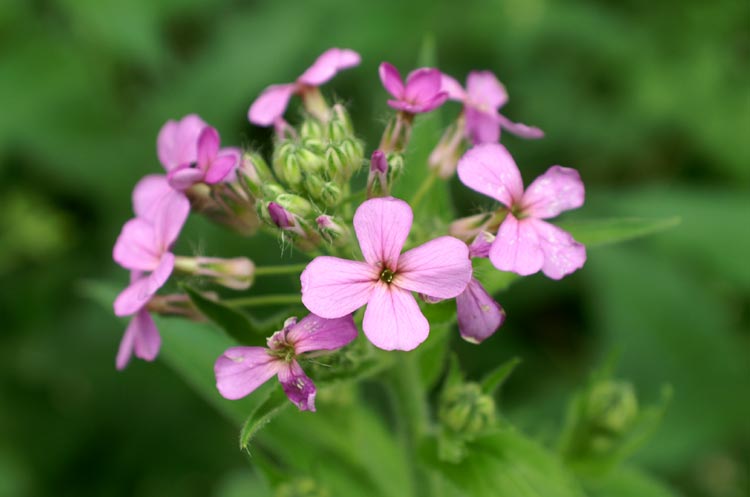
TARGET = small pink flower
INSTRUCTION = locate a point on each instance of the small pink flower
(525, 243)
(482, 99)
(144, 247)
(440, 268)
(240, 370)
(177, 143)
(270, 106)
(211, 165)
(421, 93)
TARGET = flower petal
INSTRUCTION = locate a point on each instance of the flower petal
(440, 268)
(562, 254)
(482, 127)
(177, 143)
(452, 87)
(141, 337)
(382, 226)
(169, 219)
(558, 189)
(137, 247)
(519, 129)
(479, 316)
(148, 192)
(271, 104)
(240, 370)
(317, 333)
(298, 387)
(391, 79)
(517, 247)
(485, 91)
(481, 245)
(328, 65)
(393, 320)
(490, 170)
(333, 287)
(422, 85)
(136, 295)
(220, 168)
(431, 104)
(208, 146)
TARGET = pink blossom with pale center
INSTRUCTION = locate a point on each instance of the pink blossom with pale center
(482, 99)
(440, 268)
(211, 165)
(525, 243)
(241, 370)
(270, 106)
(421, 93)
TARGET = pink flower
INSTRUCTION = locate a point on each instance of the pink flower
(240, 370)
(141, 338)
(270, 106)
(421, 93)
(525, 243)
(210, 166)
(177, 143)
(144, 244)
(440, 268)
(482, 99)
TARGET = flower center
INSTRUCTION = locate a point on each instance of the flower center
(387, 275)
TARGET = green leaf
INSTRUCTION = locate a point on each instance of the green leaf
(432, 354)
(274, 403)
(505, 464)
(492, 280)
(236, 324)
(627, 482)
(496, 378)
(594, 233)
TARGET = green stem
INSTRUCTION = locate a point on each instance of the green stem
(423, 189)
(284, 269)
(263, 300)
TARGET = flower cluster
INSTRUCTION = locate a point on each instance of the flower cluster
(305, 197)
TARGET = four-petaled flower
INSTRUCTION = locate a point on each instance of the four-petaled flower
(482, 99)
(270, 106)
(525, 243)
(421, 93)
(440, 268)
(211, 165)
(240, 370)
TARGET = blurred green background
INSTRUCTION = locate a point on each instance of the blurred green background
(649, 100)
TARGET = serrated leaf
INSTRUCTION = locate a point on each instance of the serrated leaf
(594, 233)
(274, 403)
(496, 378)
(236, 324)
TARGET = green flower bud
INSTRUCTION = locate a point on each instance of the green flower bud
(261, 208)
(292, 171)
(310, 162)
(314, 186)
(272, 190)
(318, 147)
(335, 163)
(341, 116)
(281, 153)
(355, 153)
(255, 171)
(331, 195)
(465, 409)
(312, 128)
(395, 167)
(612, 406)
(338, 131)
(295, 204)
(301, 487)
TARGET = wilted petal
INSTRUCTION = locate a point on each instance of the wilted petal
(479, 316)
(317, 333)
(382, 226)
(391, 79)
(328, 65)
(271, 104)
(517, 247)
(137, 247)
(422, 85)
(557, 190)
(490, 170)
(393, 320)
(139, 292)
(452, 87)
(297, 386)
(485, 91)
(522, 130)
(333, 287)
(562, 254)
(240, 370)
(177, 143)
(482, 127)
(440, 268)
(220, 168)
(183, 177)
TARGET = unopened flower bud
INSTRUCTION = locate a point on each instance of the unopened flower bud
(237, 273)
(316, 146)
(354, 154)
(395, 167)
(272, 190)
(314, 186)
(310, 162)
(466, 228)
(331, 229)
(337, 131)
(280, 216)
(311, 128)
(377, 181)
(281, 153)
(444, 158)
(331, 195)
(466, 410)
(335, 163)
(295, 204)
(612, 406)
(255, 172)
(341, 116)
(481, 245)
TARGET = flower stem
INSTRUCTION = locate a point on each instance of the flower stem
(281, 299)
(423, 189)
(282, 269)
